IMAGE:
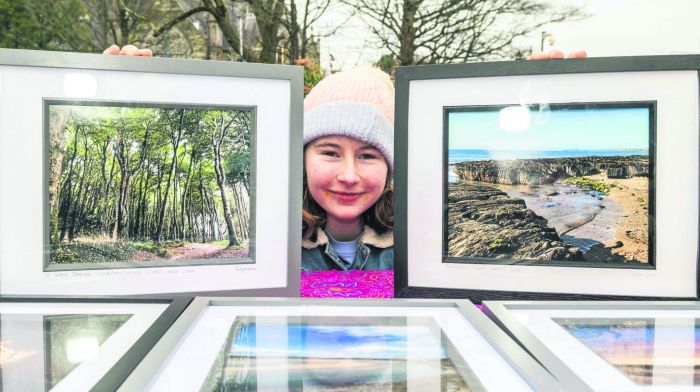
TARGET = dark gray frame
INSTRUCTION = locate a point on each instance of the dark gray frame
(499, 312)
(127, 363)
(145, 264)
(404, 75)
(293, 74)
(531, 371)
(604, 105)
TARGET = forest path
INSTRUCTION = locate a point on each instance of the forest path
(194, 250)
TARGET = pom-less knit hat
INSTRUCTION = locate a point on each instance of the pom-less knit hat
(357, 104)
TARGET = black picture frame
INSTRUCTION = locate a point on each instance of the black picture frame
(442, 78)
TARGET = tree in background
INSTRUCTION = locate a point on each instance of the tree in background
(445, 31)
(298, 26)
(120, 22)
(220, 11)
(134, 22)
(46, 25)
(279, 26)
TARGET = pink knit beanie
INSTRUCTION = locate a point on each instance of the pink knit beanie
(357, 104)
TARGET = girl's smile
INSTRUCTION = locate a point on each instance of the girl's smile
(345, 196)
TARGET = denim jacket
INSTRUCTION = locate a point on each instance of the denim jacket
(374, 252)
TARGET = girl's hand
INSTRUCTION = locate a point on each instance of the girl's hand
(128, 50)
(557, 54)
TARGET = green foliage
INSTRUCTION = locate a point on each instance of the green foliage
(106, 252)
(46, 25)
(79, 252)
(386, 62)
(312, 73)
(222, 243)
(588, 183)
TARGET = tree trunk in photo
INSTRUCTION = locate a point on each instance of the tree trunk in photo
(217, 141)
(175, 140)
(64, 208)
(122, 206)
(78, 205)
(186, 191)
(139, 226)
(240, 213)
(58, 116)
(127, 174)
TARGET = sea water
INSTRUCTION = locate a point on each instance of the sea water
(455, 156)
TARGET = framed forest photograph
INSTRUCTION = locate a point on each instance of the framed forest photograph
(553, 184)
(149, 185)
(132, 176)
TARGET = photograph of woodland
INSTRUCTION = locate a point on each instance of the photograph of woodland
(147, 183)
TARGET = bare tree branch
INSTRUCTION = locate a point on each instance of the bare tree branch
(443, 31)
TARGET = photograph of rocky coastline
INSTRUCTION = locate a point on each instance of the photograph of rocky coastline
(583, 198)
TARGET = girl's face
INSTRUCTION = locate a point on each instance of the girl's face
(345, 176)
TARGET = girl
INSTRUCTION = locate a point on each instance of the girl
(348, 212)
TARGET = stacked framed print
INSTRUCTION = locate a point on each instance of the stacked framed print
(548, 179)
(126, 176)
(60, 344)
(608, 345)
(336, 345)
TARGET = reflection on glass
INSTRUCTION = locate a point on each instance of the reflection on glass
(339, 354)
(37, 351)
(61, 334)
(661, 351)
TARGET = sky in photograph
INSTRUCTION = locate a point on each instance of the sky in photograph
(337, 341)
(633, 345)
(558, 129)
(613, 28)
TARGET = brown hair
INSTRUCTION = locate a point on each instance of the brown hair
(380, 217)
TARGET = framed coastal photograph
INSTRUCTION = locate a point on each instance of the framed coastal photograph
(552, 184)
(50, 344)
(586, 168)
(336, 345)
(166, 186)
(611, 346)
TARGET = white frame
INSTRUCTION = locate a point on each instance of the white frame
(146, 315)
(670, 81)
(201, 332)
(273, 91)
(575, 365)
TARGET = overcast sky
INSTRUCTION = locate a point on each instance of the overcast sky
(614, 28)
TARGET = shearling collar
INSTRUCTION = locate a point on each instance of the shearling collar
(368, 237)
